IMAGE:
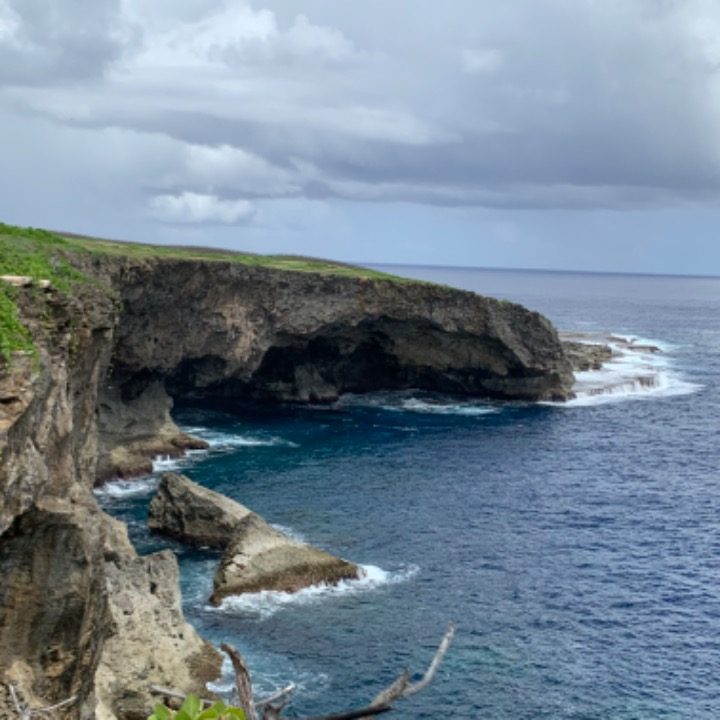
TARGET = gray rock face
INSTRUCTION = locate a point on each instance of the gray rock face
(227, 332)
(257, 557)
(193, 514)
(261, 558)
(135, 428)
(585, 356)
(80, 614)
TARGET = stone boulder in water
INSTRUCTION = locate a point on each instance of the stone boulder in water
(188, 512)
(257, 557)
(261, 558)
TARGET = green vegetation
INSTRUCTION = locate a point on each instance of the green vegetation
(44, 255)
(192, 709)
(37, 254)
(276, 262)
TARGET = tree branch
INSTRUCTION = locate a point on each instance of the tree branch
(242, 681)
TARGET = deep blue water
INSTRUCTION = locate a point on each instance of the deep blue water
(577, 548)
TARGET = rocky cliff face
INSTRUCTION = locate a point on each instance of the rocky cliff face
(64, 562)
(81, 615)
(226, 332)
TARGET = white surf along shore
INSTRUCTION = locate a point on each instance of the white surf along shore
(639, 368)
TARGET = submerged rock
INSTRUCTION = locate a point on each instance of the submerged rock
(193, 514)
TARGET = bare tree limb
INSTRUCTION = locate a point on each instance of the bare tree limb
(27, 713)
(242, 681)
(279, 695)
(356, 714)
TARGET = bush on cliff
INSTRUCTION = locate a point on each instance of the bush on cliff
(192, 709)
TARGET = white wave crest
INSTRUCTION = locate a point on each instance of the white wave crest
(266, 603)
(118, 489)
(405, 402)
(639, 369)
(440, 408)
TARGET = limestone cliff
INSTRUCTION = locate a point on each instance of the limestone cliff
(225, 332)
(73, 588)
(111, 337)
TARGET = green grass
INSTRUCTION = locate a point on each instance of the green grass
(39, 255)
(45, 255)
(290, 263)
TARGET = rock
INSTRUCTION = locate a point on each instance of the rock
(585, 356)
(224, 332)
(151, 643)
(257, 557)
(80, 613)
(135, 428)
(193, 514)
(261, 558)
(17, 280)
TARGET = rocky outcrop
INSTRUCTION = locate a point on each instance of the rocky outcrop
(134, 428)
(81, 615)
(151, 644)
(74, 594)
(584, 356)
(257, 557)
(188, 512)
(262, 558)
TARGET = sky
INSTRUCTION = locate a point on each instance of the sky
(567, 134)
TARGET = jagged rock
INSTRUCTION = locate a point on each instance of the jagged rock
(225, 332)
(193, 514)
(80, 614)
(585, 356)
(262, 558)
(135, 427)
(151, 643)
(257, 557)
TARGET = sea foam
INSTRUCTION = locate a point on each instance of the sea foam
(640, 369)
(263, 605)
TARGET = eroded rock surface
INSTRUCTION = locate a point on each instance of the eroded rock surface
(262, 558)
(257, 557)
(188, 512)
(81, 615)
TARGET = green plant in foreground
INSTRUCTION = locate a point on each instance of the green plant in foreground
(192, 709)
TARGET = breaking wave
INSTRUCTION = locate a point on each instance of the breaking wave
(639, 369)
(263, 605)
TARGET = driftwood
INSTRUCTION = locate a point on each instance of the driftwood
(271, 707)
(400, 689)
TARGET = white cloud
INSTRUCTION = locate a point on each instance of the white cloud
(481, 61)
(189, 207)
(9, 22)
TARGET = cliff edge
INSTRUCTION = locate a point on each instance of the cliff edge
(97, 339)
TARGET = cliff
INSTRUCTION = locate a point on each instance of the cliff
(98, 340)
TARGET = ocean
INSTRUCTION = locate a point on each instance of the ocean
(576, 546)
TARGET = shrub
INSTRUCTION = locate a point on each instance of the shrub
(192, 709)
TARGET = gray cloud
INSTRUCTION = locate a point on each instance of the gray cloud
(552, 104)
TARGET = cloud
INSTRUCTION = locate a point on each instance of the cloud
(189, 207)
(48, 41)
(525, 104)
(481, 60)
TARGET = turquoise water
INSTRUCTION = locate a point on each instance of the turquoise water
(577, 547)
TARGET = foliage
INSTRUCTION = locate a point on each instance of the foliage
(37, 254)
(192, 709)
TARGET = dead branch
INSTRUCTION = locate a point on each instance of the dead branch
(279, 695)
(242, 681)
(25, 712)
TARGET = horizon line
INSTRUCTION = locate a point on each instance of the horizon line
(558, 271)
